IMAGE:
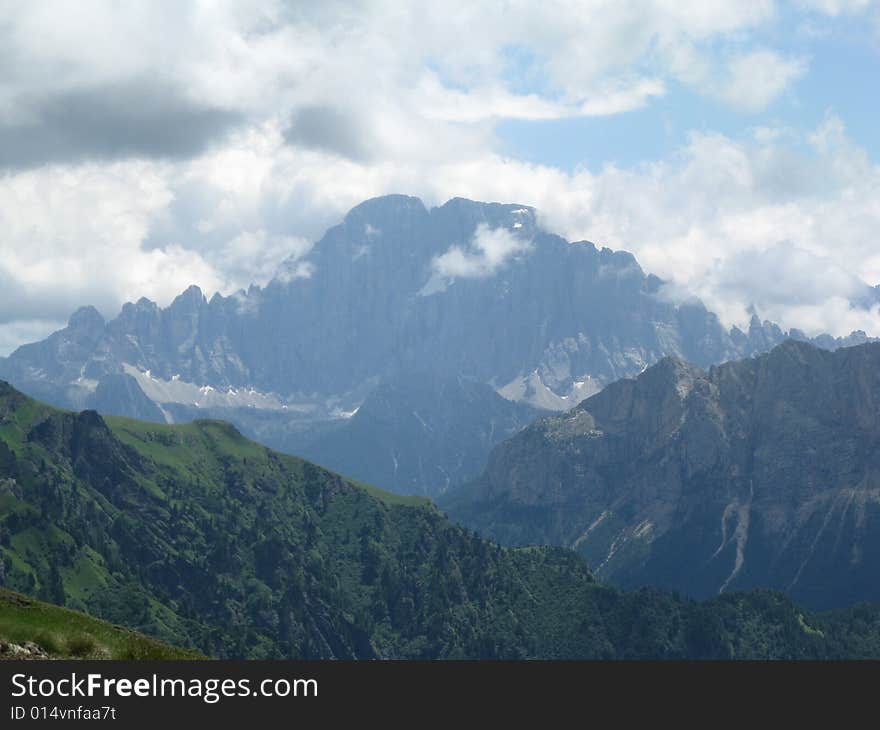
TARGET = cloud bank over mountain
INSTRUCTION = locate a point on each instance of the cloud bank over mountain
(147, 146)
(489, 250)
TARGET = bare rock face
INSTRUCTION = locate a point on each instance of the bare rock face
(762, 472)
(26, 650)
(374, 300)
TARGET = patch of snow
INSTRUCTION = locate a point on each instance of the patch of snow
(339, 413)
(176, 390)
(533, 390)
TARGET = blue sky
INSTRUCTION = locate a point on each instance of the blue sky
(842, 76)
(731, 146)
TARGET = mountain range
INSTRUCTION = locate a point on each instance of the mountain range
(199, 537)
(402, 321)
(758, 472)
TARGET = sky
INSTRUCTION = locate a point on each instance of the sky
(733, 147)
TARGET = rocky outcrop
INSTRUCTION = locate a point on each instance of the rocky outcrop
(762, 472)
(25, 650)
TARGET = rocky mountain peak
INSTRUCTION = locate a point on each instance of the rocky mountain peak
(464, 289)
(90, 419)
(191, 299)
(765, 474)
(796, 348)
(385, 208)
(86, 318)
(140, 309)
(146, 305)
(85, 327)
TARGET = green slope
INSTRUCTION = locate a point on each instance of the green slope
(66, 634)
(201, 538)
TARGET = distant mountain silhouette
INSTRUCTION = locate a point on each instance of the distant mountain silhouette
(468, 289)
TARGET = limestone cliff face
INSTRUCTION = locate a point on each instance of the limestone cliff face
(538, 319)
(370, 302)
(761, 472)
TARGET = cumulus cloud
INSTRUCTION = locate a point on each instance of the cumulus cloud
(97, 80)
(330, 129)
(138, 119)
(781, 221)
(763, 221)
(74, 236)
(255, 256)
(623, 100)
(757, 78)
(488, 251)
(792, 284)
(473, 106)
(13, 334)
(148, 146)
(292, 270)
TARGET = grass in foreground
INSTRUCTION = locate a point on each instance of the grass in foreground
(66, 634)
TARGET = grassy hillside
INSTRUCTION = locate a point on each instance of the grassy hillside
(173, 446)
(66, 634)
(201, 538)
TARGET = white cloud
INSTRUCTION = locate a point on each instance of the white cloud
(254, 256)
(757, 78)
(337, 102)
(489, 250)
(623, 100)
(836, 7)
(782, 221)
(706, 220)
(74, 236)
(783, 276)
(392, 66)
(12, 334)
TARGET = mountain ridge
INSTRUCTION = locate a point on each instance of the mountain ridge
(193, 534)
(753, 472)
(469, 289)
